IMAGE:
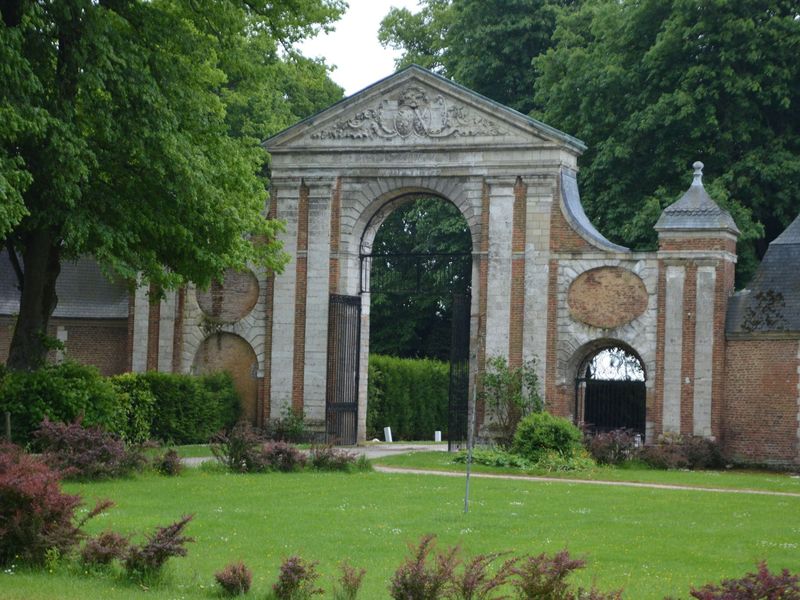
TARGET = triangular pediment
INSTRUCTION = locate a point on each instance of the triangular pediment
(415, 107)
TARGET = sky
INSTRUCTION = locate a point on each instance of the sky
(354, 48)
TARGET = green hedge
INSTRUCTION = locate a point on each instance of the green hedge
(182, 409)
(408, 395)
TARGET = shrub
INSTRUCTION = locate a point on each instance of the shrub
(410, 395)
(280, 456)
(761, 585)
(137, 405)
(541, 432)
(61, 392)
(328, 458)
(509, 393)
(494, 458)
(145, 561)
(290, 428)
(612, 447)
(555, 462)
(419, 578)
(296, 580)
(239, 449)
(36, 517)
(235, 579)
(476, 582)
(679, 452)
(104, 548)
(544, 577)
(169, 463)
(349, 582)
(190, 409)
(85, 452)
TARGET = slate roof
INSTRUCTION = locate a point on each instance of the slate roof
(771, 303)
(577, 217)
(83, 291)
(695, 210)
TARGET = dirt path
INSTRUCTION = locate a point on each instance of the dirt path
(656, 486)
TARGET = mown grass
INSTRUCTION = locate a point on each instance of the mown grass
(650, 542)
(637, 473)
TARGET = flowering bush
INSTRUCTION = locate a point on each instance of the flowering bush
(235, 579)
(36, 517)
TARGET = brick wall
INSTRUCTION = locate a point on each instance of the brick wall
(760, 417)
(607, 297)
(103, 343)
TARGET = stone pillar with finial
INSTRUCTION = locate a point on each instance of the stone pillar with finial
(697, 257)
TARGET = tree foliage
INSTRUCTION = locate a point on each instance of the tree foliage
(131, 133)
(485, 45)
(413, 280)
(653, 85)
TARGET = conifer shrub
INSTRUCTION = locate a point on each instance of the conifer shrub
(36, 518)
(85, 452)
(541, 433)
(235, 579)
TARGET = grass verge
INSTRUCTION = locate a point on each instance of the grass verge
(651, 542)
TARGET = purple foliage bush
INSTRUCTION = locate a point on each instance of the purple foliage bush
(235, 579)
(328, 458)
(35, 515)
(104, 548)
(683, 452)
(761, 585)
(296, 580)
(477, 582)
(145, 561)
(612, 447)
(349, 582)
(425, 575)
(169, 463)
(85, 452)
(239, 449)
(281, 456)
(544, 577)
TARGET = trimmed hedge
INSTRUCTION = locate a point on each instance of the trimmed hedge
(182, 409)
(408, 395)
(62, 393)
(541, 433)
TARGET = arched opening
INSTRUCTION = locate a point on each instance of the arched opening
(228, 352)
(416, 271)
(610, 391)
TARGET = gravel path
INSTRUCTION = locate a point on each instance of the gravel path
(532, 478)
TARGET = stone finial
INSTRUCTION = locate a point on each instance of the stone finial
(698, 173)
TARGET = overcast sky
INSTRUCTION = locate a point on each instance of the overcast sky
(354, 48)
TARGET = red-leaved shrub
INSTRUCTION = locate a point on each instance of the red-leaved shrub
(104, 548)
(235, 579)
(85, 452)
(239, 448)
(328, 458)
(35, 515)
(544, 577)
(280, 456)
(296, 580)
(145, 561)
(169, 463)
(349, 582)
(761, 585)
(425, 575)
(476, 581)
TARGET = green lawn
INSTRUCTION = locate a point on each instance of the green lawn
(651, 542)
(734, 479)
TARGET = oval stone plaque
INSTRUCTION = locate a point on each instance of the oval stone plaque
(607, 297)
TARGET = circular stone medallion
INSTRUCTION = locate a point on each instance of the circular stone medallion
(607, 297)
(232, 298)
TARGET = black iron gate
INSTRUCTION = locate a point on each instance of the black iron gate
(344, 344)
(605, 405)
(458, 405)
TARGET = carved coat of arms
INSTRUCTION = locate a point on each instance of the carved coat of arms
(412, 113)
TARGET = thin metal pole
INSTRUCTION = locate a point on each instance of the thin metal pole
(470, 441)
(8, 426)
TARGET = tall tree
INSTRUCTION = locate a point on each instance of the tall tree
(415, 272)
(652, 85)
(129, 138)
(486, 45)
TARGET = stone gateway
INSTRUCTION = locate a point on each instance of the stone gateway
(545, 283)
